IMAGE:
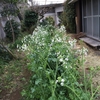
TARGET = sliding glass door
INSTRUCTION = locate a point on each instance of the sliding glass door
(91, 18)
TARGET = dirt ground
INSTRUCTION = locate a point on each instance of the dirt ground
(92, 62)
(15, 93)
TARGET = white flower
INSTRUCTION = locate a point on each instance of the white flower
(56, 81)
(52, 40)
(66, 59)
(62, 84)
(66, 50)
(66, 67)
(61, 60)
(17, 46)
(62, 80)
(58, 53)
(70, 66)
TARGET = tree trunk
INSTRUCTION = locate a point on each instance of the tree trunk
(13, 35)
(20, 16)
(2, 44)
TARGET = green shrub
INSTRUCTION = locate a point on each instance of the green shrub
(48, 21)
(18, 41)
(30, 19)
(23, 27)
(14, 45)
(8, 29)
(4, 55)
(68, 17)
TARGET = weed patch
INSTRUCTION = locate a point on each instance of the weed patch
(54, 66)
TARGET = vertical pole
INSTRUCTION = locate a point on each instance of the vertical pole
(78, 19)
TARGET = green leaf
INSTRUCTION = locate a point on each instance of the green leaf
(32, 90)
(37, 81)
(23, 93)
(50, 98)
(54, 59)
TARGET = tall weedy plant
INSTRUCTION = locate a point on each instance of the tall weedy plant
(54, 66)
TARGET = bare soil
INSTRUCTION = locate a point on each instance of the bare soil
(14, 93)
(92, 61)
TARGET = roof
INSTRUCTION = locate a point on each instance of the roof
(72, 1)
(52, 5)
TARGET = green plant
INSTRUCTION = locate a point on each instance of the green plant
(4, 55)
(18, 41)
(9, 9)
(68, 17)
(54, 67)
(30, 19)
(48, 21)
(14, 45)
(8, 29)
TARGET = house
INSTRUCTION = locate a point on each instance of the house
(88, 19)
(54, 10)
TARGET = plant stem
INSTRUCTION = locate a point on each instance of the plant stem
(84, 71)
(94, 93)
(73, 92)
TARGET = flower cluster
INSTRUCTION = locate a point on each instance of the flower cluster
(72, 42)
(53, 64)
(83, 51)
(60, 80)
(38, 37)
(62, 29)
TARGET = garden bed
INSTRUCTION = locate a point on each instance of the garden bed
(16, 85)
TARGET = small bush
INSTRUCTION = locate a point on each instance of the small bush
(18, 41)
(48, 21)
(4, 55)
(68, 17)
(30, 19)
(14, 45)
(8, 29)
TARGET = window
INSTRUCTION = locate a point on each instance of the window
(91, 18)
(88, 8)
(95, 7)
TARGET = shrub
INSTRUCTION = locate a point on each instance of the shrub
(48, 21)
(4, 55)
(30, 19)
(18, 41)
(8, 29)
(14, 45)
(68, 17)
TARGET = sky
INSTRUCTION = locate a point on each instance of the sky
(48, 1)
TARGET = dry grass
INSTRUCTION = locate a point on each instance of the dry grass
(92, 61)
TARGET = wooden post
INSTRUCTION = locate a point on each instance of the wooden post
(78, 17)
